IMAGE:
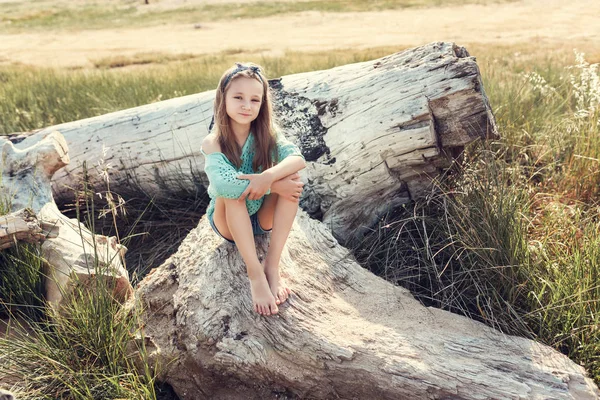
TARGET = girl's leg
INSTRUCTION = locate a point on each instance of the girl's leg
(278, 213)
(241, 232)
(220, 219)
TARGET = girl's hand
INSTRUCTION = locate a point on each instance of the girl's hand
(259, 184)
(289, 187)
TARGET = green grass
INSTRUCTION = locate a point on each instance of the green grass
(21, 281)
(32, 97)
(19, 17)
(21, 277)
(86, 349)
(84, 352)
(512, 240)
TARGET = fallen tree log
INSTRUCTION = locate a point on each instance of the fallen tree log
(71, 252)
(376, 130)
(344, 333)
(20, 225)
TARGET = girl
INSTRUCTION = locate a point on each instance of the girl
(253, 182)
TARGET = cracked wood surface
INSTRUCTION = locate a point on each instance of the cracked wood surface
(21, 225)
(344, 333)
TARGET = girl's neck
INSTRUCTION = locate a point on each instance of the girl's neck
(241, 132)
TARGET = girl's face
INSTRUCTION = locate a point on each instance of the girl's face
(242, 102)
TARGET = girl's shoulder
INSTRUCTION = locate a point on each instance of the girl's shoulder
(210, 144)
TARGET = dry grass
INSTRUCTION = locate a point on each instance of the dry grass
(22, 16)
(140, 59)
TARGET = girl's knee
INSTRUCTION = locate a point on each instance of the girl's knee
(289, 201)
(234, 203)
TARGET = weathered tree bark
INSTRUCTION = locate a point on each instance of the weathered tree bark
(20, 225)
(344, 333)
(375, 130)
(70, 250)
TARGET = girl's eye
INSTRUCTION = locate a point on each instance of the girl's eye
(256, 101)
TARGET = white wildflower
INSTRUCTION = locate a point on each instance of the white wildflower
(103, 168)
(538, 83)
(586, 86)
(105, 149)
(112, 208)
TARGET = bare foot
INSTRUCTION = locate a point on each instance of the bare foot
(262, 299)
(278, 287)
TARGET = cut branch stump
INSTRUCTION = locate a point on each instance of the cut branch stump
(20, 225)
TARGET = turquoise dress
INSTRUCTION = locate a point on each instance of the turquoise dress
(222, 174)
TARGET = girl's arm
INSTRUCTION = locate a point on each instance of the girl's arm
(261, 183)
(286, 167)
(289, 187)
(220, 172)
(290, 160)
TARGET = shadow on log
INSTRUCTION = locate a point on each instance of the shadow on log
(344, 333)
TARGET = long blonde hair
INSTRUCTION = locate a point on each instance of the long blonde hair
(265, 146)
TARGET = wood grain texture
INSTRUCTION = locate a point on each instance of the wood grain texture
(343, 334)
(21, 225)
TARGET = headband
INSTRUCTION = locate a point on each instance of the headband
(240, 68)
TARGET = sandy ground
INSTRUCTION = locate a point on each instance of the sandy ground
(525, 21)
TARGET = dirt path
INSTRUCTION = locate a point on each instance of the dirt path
(546, 20)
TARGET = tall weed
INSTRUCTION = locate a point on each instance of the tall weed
(512, 239)
(83, 349)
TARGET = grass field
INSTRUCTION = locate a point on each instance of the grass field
(516, 234)
(21, 16)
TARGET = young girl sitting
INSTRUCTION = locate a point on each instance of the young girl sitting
(253, 182)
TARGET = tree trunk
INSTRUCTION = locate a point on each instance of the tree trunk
(72, 253)
(21, 225)
(344, 333)
(376, 131)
